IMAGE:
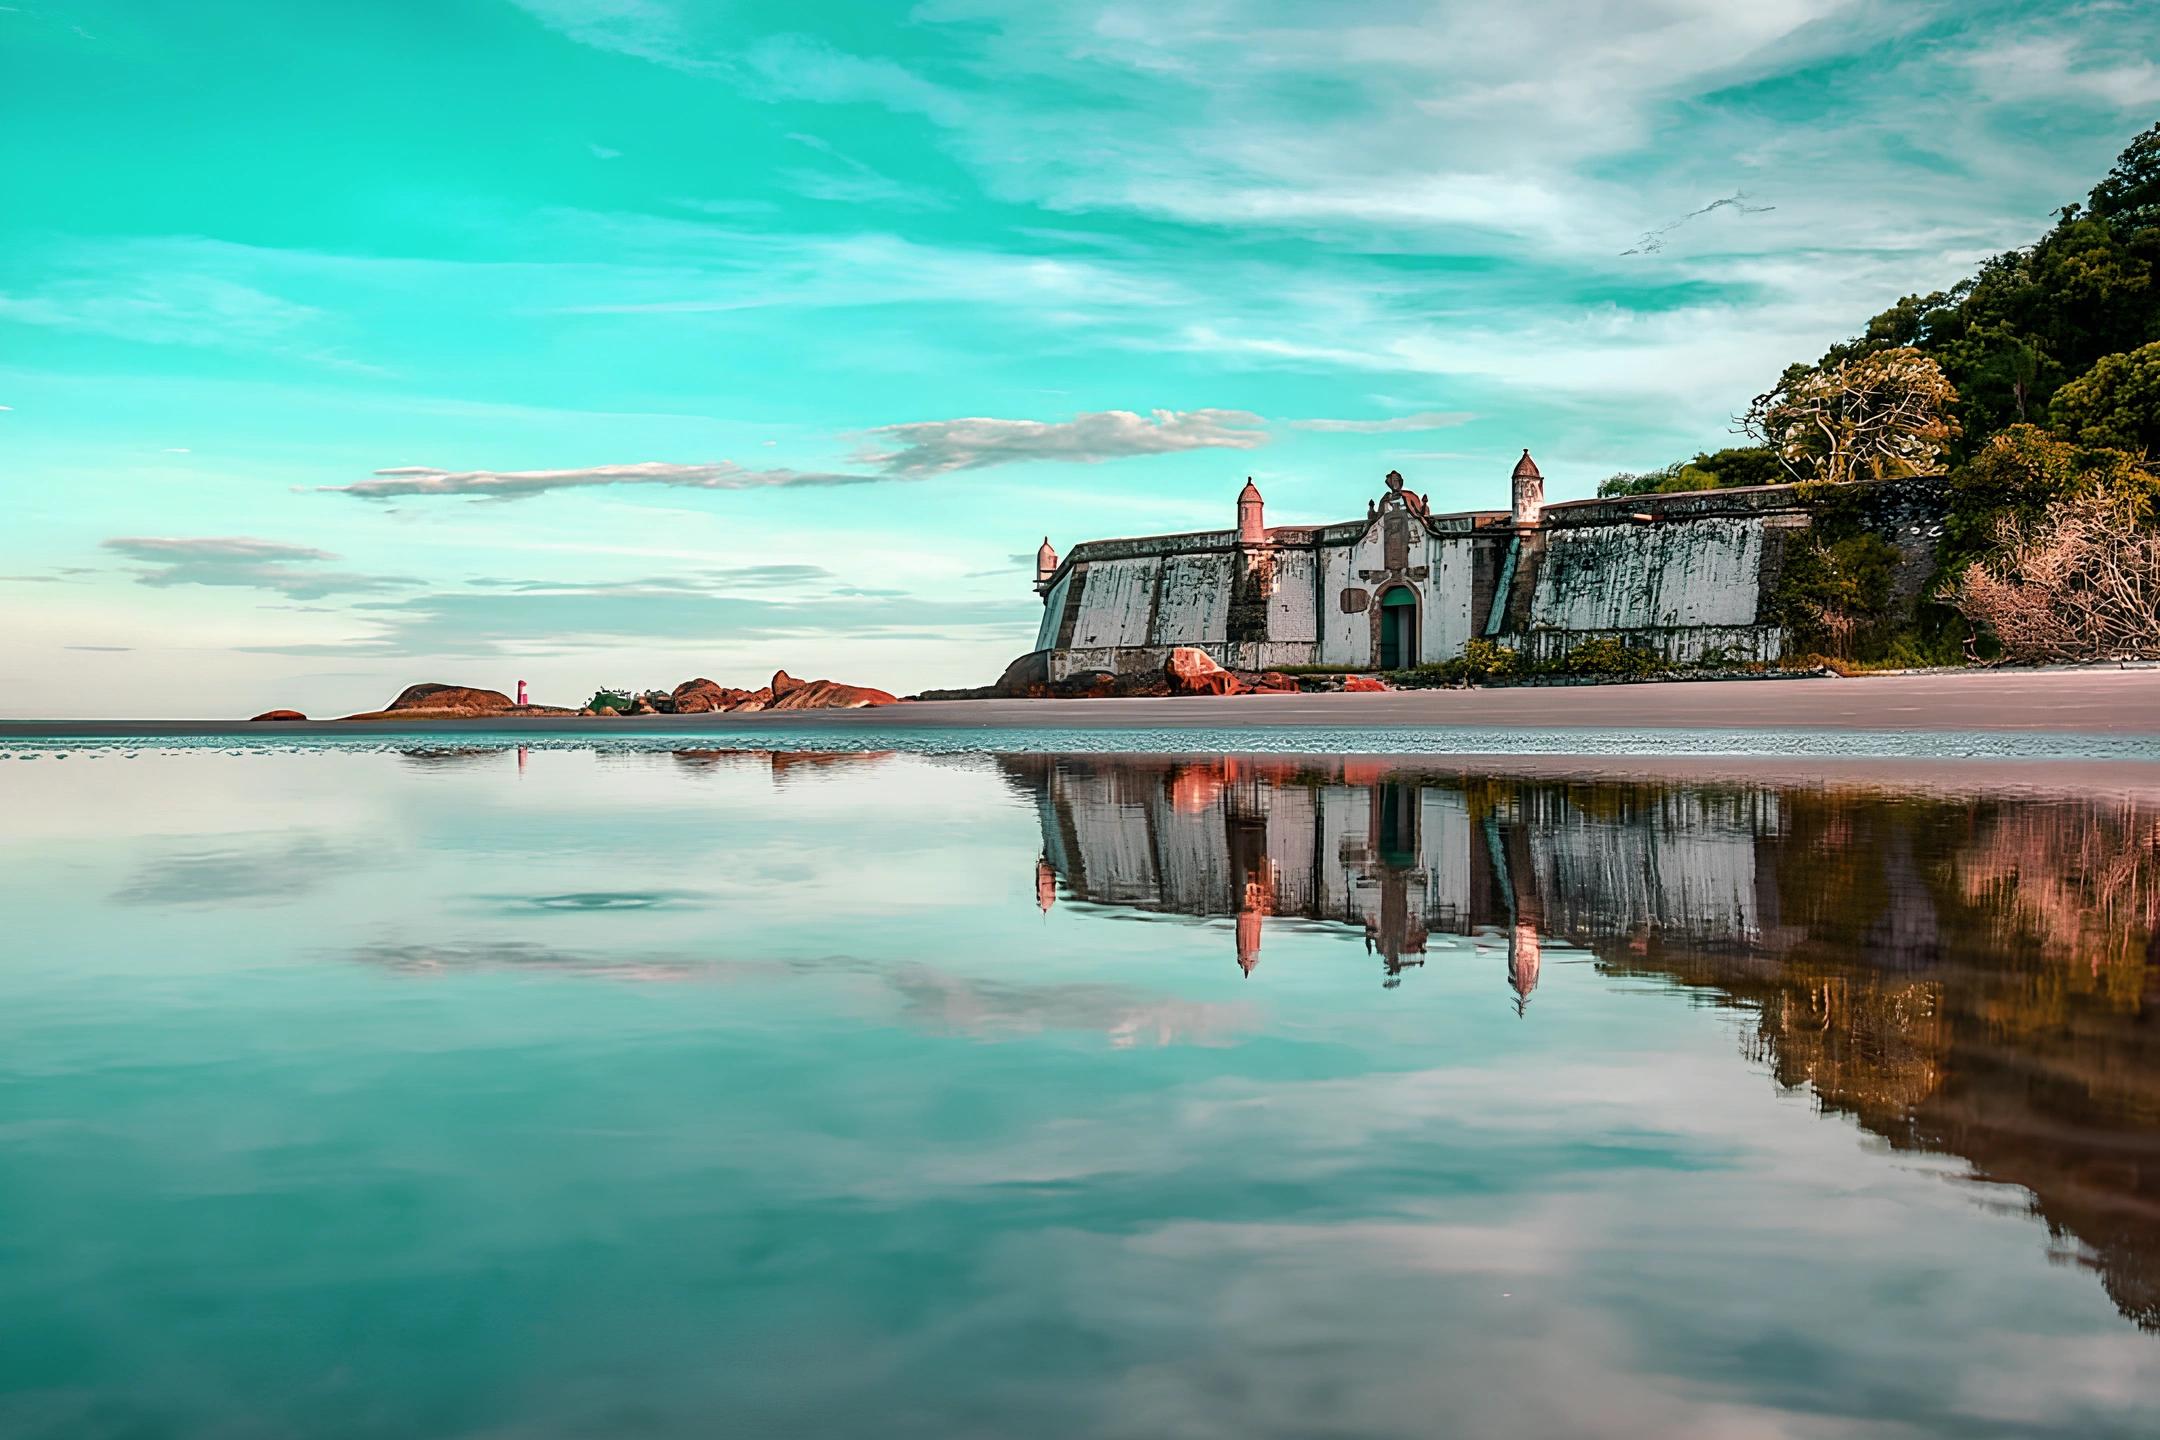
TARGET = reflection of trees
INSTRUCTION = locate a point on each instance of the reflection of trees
(1978, 978)
(1975, 976)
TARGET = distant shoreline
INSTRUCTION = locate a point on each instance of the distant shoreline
(2102, 702)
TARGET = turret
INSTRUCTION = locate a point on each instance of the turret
(1251, 526)
(1529, 491)
(1046, 563)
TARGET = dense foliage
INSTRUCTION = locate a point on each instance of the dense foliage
(2034, 386)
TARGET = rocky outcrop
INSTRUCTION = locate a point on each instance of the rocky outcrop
(701, 697)
(1194, 672)
(783, 684)
(1357, 684)
(826, 695)
(278, 715)
(463, 699)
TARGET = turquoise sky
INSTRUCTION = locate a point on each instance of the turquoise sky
(356, 342)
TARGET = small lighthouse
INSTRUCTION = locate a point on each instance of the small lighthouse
(522, 701)
(1251, 523)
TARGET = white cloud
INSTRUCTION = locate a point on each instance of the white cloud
(409, 480)
(936, 447)
(2056, 68)
(245, 563)
(165, 310)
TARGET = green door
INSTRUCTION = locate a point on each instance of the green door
(1398, 629)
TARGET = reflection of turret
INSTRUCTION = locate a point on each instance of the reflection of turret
(1524, 954)
(1045, 885)
(1965, 976)
(1248, 938)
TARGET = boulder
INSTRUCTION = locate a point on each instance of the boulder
(755, 700)
(1361, 684)
(783, 683)
(642, 706)
(279, 715)
(1086, 685)
(828, 695)
(1194, 672)
(1024, 677)
(699, 697)
(1271, 682)
(463, 698)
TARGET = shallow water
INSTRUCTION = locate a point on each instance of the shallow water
(626, 1092)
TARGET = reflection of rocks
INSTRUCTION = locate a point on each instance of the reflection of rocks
(440, 756)
(1969, 977)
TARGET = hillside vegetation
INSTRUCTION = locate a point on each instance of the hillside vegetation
(2032, 390)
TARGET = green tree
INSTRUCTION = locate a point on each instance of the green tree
(2022, 474)
(2116, 403)
(1736, 465)
(2032, 319)
(1878, 416)
(2131, 191)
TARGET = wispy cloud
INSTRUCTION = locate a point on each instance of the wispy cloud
(201, 310)
(573, 617)
(1422, 420)
(245, 563)
(937, 447)
(408, 480)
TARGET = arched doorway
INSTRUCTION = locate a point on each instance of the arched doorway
(1398, 628)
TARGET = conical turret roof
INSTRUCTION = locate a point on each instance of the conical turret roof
(1526, 468)
(1250, 492)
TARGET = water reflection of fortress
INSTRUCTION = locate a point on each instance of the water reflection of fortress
(1976, 976)
(1402, 856)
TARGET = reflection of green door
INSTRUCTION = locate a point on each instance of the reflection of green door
(1398, 629)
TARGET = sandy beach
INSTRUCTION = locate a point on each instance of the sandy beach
(2092, 701)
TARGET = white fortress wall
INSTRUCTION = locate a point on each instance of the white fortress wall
(1344, 639)
(1639, 577)
(1193, 606)
(1116, 602)
(1046, 635)
(1447, 621)
(1293, 606)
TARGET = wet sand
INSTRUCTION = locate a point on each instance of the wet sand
(2119, 702)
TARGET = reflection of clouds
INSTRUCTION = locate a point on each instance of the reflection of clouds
(1435, 1247)
(992, 1009)
(271, 869)
(441, 757)
(515, 955)
(927, 998)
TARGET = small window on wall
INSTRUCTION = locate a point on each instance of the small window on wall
(1398, 629)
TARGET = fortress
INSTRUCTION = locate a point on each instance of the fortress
(1690, 576)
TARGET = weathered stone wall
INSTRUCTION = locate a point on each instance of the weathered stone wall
(1689, 576)
(1642, 577)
